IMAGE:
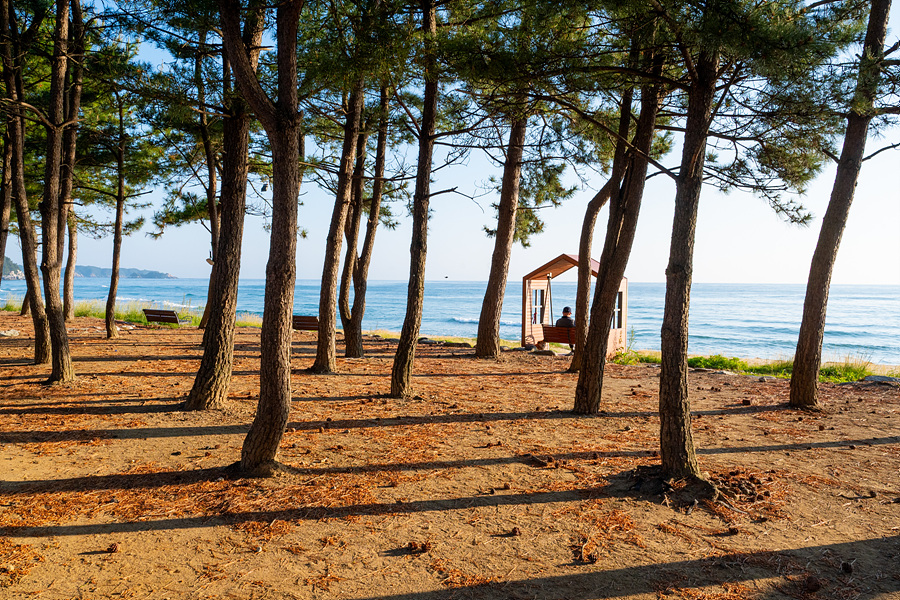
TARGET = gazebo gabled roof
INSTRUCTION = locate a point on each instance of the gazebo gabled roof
(558, 266)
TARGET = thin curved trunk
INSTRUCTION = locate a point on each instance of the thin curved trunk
(210, 388)
(677, 452)
(352, 327)
(586, 241)
(71, 260)
(401, 372)
(5, 198)
(111, 329)
(808, 358)
(487, 344)
(624, 211)
(211, 175)
(325, 348)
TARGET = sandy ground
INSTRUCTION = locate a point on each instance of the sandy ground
(482, 486)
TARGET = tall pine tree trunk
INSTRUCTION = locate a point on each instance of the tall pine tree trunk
(677, 452)
(53, 225)
(210, 388)
(487, 344)
(401, 372)
(70, 142)
(624, 210)
(281, 120)
(808, 358)
(325, 349)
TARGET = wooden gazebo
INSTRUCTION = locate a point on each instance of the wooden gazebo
(537, 301)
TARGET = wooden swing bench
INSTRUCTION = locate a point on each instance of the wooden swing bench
(305, 323)
(559, 335)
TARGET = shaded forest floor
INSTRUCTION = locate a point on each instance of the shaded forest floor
(482, 486)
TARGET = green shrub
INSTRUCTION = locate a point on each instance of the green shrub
(852, 369)
(13, 304)
(717, 361)
(777, 368)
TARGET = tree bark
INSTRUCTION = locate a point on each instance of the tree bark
(624, 209)
(12, 50)
(353, 327)
(808, 357)
(325, 349)
(281, 120)
(52, 224)
(210, 388)
(487, 344)
(71, 260)
(677, 452)
(401, 372)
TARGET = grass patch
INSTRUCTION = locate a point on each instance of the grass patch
(634, 357)
(776, 368)
(851, 369)
(719, 362)
(13, 304)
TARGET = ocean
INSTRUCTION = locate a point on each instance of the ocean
(744, 320)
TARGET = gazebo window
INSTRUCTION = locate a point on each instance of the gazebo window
(617, 312)
(537, 306)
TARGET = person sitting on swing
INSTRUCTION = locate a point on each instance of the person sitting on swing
(566, 319)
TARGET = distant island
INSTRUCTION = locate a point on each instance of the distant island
(12, 270)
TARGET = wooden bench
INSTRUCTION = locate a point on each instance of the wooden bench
(154, 315)
(304, 323)
(559, 335)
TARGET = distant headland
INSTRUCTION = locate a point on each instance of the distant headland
(11, 270)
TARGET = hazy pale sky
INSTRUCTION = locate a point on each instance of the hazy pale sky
(739, 238)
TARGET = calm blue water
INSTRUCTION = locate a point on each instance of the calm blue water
(732, 319)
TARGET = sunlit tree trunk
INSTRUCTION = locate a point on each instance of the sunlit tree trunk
(111, 329)
(210, 388)
(624, 209)
(52, 224)
(487, 344)
(808, 358)
(325, 348)
(67, 172)
(281, 120)
(677, 452)
(401, 372)
(353, 327)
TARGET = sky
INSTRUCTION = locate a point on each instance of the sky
(739, 238)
